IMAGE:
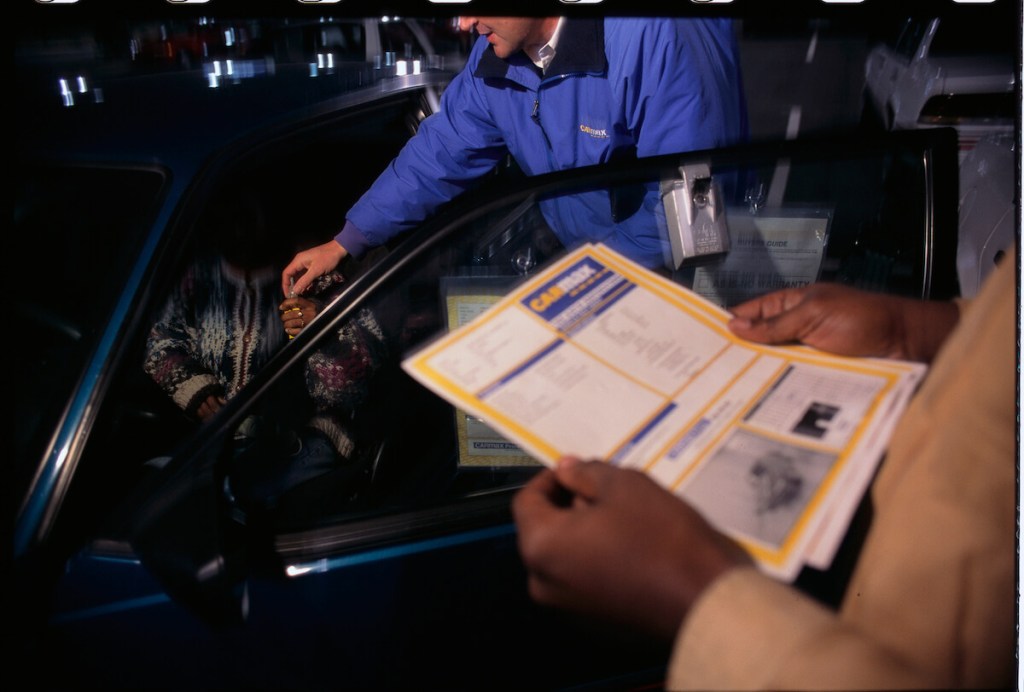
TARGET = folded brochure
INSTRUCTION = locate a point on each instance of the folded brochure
(599, 358)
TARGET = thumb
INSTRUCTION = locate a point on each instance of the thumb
(295, 268)
(302, 283)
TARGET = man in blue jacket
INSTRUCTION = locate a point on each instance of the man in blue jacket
(556, 93)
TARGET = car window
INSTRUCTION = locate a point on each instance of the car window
(791, 222)
(88, 224)
(332, 437)
(301, 183)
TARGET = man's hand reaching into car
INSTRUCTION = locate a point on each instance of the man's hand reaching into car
(309, 264)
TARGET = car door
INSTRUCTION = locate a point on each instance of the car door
(398, 566)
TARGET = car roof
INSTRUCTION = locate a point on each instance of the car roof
(177, 118)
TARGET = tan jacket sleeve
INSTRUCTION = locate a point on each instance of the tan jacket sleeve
(752, 632)
(931, 602)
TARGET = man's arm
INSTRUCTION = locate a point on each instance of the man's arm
(453, 147)
(610, 542)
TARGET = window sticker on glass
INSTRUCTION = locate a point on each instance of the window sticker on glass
(479, 444)
(781, 248)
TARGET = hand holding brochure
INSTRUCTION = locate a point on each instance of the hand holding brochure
(599, 358)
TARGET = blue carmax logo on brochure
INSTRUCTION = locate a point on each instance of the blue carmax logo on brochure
(576, 294)
(549, 299)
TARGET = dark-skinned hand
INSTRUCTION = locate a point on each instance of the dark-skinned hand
(847, 321)
(612, 543)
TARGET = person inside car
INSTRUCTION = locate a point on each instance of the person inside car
(557, 93)
(931, 600)
(224, 321)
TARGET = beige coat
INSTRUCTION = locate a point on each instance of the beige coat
(932, 602)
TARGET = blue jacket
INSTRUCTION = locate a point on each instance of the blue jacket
(617, 88)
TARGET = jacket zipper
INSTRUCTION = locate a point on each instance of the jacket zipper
(535, 116)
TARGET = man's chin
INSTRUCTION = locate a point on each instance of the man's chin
(502, 51)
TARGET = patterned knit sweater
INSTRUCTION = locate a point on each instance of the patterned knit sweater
(221, 325)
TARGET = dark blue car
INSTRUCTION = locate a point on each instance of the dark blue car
(147, 555)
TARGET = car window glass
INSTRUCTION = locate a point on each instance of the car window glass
(301, 184)
(331, 433)
(88, 223)
(343, 434)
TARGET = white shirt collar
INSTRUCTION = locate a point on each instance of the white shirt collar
(546, 53)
